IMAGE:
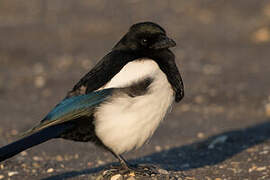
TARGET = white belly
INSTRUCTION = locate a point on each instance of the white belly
(125, 122)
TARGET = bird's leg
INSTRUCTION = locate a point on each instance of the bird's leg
(137, 169)
(122, 161)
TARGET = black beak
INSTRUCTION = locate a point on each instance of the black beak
(163, 43)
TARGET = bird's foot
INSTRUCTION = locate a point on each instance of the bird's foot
(144, 169)
(133, 170)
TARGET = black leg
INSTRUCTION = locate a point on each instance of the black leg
(144, 170)
(122, 161)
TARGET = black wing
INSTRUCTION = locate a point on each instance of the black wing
(102, 73)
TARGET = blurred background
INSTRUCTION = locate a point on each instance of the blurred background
(223, 55)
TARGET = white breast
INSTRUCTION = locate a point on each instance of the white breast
(125, 122)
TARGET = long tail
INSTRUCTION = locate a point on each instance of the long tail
(33, 139)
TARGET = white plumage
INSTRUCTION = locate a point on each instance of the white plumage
(125, 122)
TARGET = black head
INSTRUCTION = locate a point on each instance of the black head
(143, 37)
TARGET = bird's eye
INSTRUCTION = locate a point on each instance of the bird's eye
(144, 41)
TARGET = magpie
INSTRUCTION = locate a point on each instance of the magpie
(119, 103)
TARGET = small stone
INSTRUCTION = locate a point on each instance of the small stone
(267, 109)
(105, 172)
(218, 140)
(200, 135)
(264, 152)
(34, 171)
(14, 132)
(99, 162)
(36, 165)
(2, 176)
(24, 153)
(39, 81)
(12, 173)
(50, 170)
(59, 158)
(261, 35)
(158, 148)
(131, 178)
(89, 164)
(2, 166)
(132, 174)
(100, 177)
(254, 167)
(218, 179)
(261, 168)
(199, 99)
(117, 177)
(163, 171)
(36, 158)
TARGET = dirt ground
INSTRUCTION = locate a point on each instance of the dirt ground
(220, 131)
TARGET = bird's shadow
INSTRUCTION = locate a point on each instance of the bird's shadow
(210, 151)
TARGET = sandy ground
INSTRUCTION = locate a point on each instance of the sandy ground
(220, 131)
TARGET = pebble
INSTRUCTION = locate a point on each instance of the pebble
(23, 153)
(34, 171)
(218, 140)
(262, 35)
(14, 132)
(59, 158)
(163, 171)
(200, 135)
(2, 176)
(50, 170)
(99, 162)
(199, 99)
(12, 173)
(36, 158)
(131, 178)
(36, 165)
(261, 168)
(264, 152)
(117, 177)
(132, 174)
(105, 172)
(158, 148)
(267, 109)
(76, 156)
(100, 177)
(39, 81)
